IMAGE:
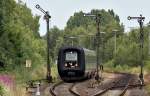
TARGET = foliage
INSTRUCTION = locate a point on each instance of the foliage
(19, 35)
(20, 39)
(83, 29)
(2, 91)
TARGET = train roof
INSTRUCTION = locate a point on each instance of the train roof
(89, 52)
(71, 47)
(86, 51)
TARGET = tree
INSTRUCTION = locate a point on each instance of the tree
(19, 35)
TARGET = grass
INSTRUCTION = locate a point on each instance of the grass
(147, 68)
(21, 75)
(125, 68)
(2, 90)
(133, 70)
(147, 88)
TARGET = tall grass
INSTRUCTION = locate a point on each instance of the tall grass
(2, 90)
(109, 66)
(21, 75)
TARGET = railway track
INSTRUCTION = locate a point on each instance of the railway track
(72, 91)
(125, 82)
(130, 84)
(52, 89)
(122, 84)
(63, 89)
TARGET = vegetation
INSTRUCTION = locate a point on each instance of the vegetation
(1, 90)
(21, 41)
(84, 29)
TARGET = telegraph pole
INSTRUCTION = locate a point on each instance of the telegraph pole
(140, 20)
(115, 43)
(72, 42)
(103, 46)
(71, 39)
(47, 17)
(98, 39)
(148, 38)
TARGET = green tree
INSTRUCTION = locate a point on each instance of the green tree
(19, 35)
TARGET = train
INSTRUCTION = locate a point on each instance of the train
(76, 63)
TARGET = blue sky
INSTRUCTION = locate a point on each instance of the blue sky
(61, 10)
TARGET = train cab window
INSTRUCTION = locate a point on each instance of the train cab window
(71, 56)
(71, 59)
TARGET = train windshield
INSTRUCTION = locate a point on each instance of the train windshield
(71, 56)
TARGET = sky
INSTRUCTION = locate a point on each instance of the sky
(61, 10)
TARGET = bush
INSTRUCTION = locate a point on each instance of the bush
(109, 64)
(147, 65)
(2, 90)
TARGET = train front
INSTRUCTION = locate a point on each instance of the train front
(71, 63)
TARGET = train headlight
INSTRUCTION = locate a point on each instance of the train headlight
(70, 64)
(65, 64)
(76, 65)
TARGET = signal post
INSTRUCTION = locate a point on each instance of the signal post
(140, 20)
(97, 44)
(47, 17)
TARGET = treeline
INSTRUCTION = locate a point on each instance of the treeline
(82, 30)
(19, 36)
(21, 41)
